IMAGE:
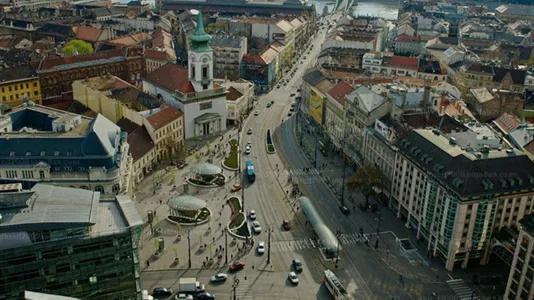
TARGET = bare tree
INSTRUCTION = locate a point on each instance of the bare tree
(368, 179)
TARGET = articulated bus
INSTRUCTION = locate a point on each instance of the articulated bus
(334, 286)
(251, 174)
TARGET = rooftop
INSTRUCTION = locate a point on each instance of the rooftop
(339, 91)
(498, 73)
(224, 40)
(469, 174)
(81, 61)
(104, 83)
(139, 140)
(171, 77)
(366, 99)
(164, 116)
(131, 39)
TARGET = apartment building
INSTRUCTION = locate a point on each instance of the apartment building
(519, 286)
(228, 51)
(455, 198)
(68, 241)
(64, 149)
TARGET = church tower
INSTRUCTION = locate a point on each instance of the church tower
(200, 58)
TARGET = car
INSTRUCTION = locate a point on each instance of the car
(252, 215)
(249, 144)
(162, 291)
(297, 265)
(278, 86)
(247, 147)
(247, 151)
(345, 210)
(236, 187)
(256, 227)
(285, 84)
(183, 297)
(257, 113)
(272, 101)
(292, 109)
(289, 114)
(219, 277)
(249, 131)
(293, 278)
(261, 247)
(298, 90)
(236, 266)
(286, 224)
(269, 104)
(206, 296)
(292, 95)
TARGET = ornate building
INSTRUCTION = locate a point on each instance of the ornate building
(56, 74)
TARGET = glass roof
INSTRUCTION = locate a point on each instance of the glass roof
(327, 237)
(206, 169)
(186, 202)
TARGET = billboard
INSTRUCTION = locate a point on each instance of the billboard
(279, 36)
(256, 72)
(231, 112)
(316, 106)
(384, 130)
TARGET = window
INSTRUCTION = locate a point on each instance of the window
(43, 153)
(29, 153)
(36, 93)
(92, 280)
(27, 85)
(11, 174)
(192, 71)
(206, 105)
(12, 153)
(27, 174)
(41, 174)
(205, 72)
(99, 188)
(56, 153)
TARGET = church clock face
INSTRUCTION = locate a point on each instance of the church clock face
(204, 59)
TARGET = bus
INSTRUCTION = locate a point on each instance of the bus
(334, 286)
(251, 174)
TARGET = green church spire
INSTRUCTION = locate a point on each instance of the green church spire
(200, 39)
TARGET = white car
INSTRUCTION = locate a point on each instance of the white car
(252, 215)
(293, 278)
(183, 296)
(247, 150)
(256, 226)
(219, 277)
(257, 113)
(261, 247)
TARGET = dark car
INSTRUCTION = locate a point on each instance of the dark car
(286, 224)
(269, 105)
(162, 291)
(205, 296)
(236, 266)
(345, 210)
(297, 265)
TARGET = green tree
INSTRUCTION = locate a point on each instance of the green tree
(368, 180)
(172, 172)
(79, 45)
(156, 245)
(197, 156)
(214, 27)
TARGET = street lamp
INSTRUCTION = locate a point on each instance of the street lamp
(225, 246)
(189, 246)
(343, 181)
(269, 245)
(338, 234)
(234, 287)
(240, 174)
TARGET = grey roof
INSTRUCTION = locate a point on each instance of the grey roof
(186, 202)
(49, 207)
(521, 10)
(313, 76)
(326, 236)
(367, 99)
(128, 210)
(206, 169)
(464, 172)
(224, 40)
(106, 11)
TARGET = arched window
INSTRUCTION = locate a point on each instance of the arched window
(99, 188)
(132, 77)
(116, 188)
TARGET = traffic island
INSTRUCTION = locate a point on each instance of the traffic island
(231, 162)
(237, 226)
(270, 145)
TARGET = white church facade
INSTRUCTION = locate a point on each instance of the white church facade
(192, 90)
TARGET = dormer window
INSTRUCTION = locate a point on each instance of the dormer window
(69, 153)
(28, 153)
(12, 153)
(56, 153)
(43, 153)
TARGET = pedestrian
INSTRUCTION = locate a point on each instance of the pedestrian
(214, 239)
(220, 223)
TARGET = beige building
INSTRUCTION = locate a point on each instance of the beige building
(156, 58)
(455, 199)
(520, 285)
(239, 98)
(228, 51)
(166, 128)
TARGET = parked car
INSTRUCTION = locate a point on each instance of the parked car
(269, 104)
(345, 210)
(261, 247)
(249, 131)
(286, 224)
(252, 215)
(247, 150)
(219, 277)
(292, 95)
(257, 113)
(289, 114)
(183, 297)
(297, 265)
(293, 278)
(162, 291)
(236, 187)
(236, 266)
(256, 227)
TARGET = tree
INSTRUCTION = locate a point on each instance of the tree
(175, 250)
(172, 172)
(197, 156)
(78, 45)
(367, 179)
(214, 27)
(156, 245)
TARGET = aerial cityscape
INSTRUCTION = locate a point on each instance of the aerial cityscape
(266, 149)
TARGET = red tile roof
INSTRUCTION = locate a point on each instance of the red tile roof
(403, 62)
(172, 77)
(156, 54)
(507, 122)
(407, 38)
(90, 34)
(339, 91)
(164, 116)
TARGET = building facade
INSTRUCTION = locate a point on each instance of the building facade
(65, 149)
(19, 84)
(59, 240)
(166, 128)
(519, 286)
(228, 51)
(455, 199)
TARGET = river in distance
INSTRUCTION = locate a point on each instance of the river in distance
(388, 10)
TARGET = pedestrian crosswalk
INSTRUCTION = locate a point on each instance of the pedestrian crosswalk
(242, 290)
(301, 244)
(462, 290)
(302, 172)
